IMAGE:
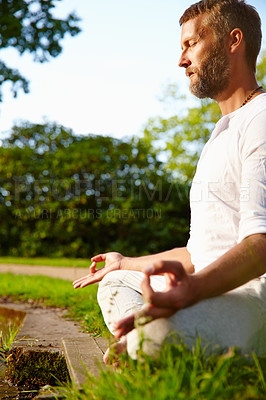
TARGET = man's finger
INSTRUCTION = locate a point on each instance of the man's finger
(165, 299)
(123, 326)
(99, 258)
(160, 267)
(150, 313)
(93, 267)
(94, 278)
(89, 279)
(142, 317)
(80, 281)
(159, 299)
(77, 281)
(92, 271)
(147, 291)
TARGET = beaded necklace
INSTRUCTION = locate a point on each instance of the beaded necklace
(250, 95)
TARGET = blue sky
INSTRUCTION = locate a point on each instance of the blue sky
(108, 78)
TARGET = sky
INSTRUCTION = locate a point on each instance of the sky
(109, 78)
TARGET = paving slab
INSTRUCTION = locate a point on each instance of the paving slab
(44, 327)
(84, 355)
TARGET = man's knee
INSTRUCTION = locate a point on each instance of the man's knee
(109, 280)
(111, 277)
(149, 338)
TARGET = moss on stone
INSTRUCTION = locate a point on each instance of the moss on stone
(33, 369)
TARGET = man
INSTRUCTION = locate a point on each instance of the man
(213, 287)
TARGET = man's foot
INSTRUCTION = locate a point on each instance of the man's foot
(111, 355)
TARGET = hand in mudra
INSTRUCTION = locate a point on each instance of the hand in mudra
(112, 263)
(180, 292)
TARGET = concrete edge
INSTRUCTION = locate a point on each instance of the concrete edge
(83, 356)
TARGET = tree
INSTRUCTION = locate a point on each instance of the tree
(68, 195)
(261, 69)
(183, 136)
(28, 25)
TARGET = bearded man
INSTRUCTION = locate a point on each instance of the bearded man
(214, 287)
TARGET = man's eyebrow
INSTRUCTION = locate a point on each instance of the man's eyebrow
(188, 39)
(195, 36)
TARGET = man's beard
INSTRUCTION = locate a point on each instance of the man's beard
(213, 75)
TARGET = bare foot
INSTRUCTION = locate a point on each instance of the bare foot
(111, 355)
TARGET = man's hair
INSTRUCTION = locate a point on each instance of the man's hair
(226, 15)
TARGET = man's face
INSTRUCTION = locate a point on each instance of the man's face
(205, 59)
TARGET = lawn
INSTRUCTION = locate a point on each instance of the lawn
(54, 262)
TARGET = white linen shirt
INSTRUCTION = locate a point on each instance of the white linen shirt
(228, 192)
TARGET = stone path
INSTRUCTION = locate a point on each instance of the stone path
(43, 327)
(69, 274)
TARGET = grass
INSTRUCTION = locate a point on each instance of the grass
(6, 339)
(81, 303)
(53, 262)
(178, 374)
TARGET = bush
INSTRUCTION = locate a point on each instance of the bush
(76, 196)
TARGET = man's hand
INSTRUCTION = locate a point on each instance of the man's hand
(112, 263)
(179, 293)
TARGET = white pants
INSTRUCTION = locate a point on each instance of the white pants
(237, 318)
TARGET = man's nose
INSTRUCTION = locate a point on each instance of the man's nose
(184, 61)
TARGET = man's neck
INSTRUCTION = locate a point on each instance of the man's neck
(237, 92)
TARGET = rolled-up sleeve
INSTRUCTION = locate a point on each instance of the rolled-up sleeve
(253, 180)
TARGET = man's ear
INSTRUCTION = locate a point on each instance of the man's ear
(236, 40)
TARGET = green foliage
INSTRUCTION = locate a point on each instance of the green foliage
(75, 196)
(183, 135)
(178, 374)
(30, 26)
(12, 75)
(261, 70)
